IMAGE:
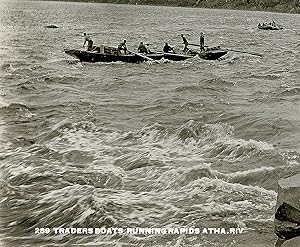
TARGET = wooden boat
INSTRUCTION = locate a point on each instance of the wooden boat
(209, 53)
(269, 26)
(111, 54)
(213, 53)
(94, 57)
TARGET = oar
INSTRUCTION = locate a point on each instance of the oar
(251, 53)
(197, 45)
(141, 55)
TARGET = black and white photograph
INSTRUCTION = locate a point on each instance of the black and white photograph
(150, 123)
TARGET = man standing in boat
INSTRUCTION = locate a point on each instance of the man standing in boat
(122, 46)
(201, 42)
(88, 39)
(185, 42)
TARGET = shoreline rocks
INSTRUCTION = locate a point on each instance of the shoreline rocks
(287, 216)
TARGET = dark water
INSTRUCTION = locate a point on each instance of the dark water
(175, 144)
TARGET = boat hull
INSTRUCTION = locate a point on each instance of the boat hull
(270, 27)
(176, 57)
(212, 55)
(94, 57)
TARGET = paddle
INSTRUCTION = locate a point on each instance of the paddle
(251, 53)
(141, 55)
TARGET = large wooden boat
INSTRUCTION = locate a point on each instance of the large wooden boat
(111, 54)
(94, 57)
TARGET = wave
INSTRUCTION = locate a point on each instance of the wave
(217, 140)
(266, 76)
(61, 79)
(141, 160)
(6, 67)
(174, 157)
(207, 86)
(266, 177)
(236, 149)
(3, 104)
(193, 138)
(288, 92)
(37, 174)
(63, 127)
(14, 107)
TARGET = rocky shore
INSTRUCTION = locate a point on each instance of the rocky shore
(285, 6)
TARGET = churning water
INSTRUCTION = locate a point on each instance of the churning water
(169, 145)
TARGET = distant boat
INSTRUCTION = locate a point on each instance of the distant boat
(269, 26)
(51, 26)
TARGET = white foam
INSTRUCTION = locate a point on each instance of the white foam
(3, 104)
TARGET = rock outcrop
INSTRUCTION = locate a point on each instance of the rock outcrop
(287, 216)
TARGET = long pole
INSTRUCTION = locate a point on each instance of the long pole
(251, 53)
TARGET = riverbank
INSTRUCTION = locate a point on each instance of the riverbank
(285, 6)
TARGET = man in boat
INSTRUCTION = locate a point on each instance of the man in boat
(89, 41)
(273, 23)
(122, 46)
(201, 42)
(142, 48)
(185, 42)
(167, 48)
(148, 49)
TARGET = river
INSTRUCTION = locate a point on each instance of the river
(168, 145)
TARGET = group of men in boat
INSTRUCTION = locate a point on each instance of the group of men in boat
(142, 48)
(265, 24)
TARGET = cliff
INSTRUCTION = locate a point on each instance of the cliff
(287, 6)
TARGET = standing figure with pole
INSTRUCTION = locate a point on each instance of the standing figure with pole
(185, 42)
(201, 42)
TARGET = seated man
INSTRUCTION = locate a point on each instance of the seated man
(142, 48)
(167, 48)
(148, 49)
(88, 39)
(122, 46)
